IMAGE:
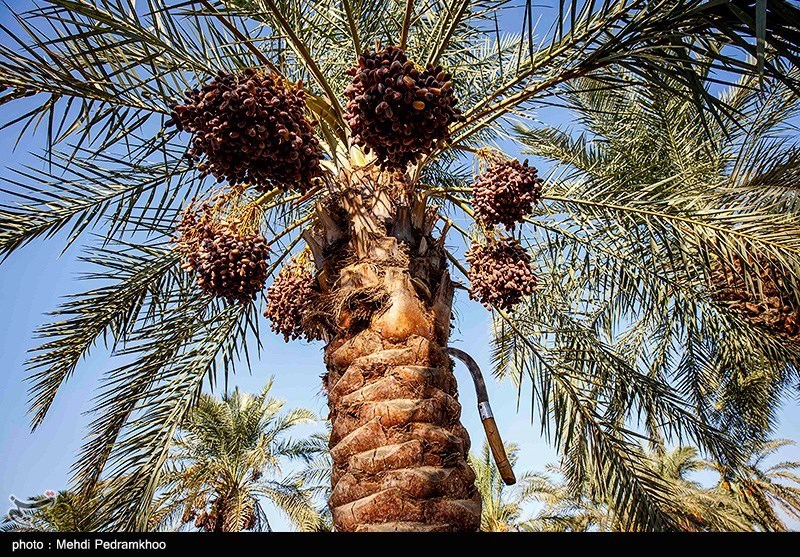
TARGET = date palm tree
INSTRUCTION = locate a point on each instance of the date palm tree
(104, 78)
(226, 459)
(64, 511)
(765, 495)
(694, 508)
(503, 507)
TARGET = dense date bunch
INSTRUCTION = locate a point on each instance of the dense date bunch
(251, 128)
(214, 520)
(289, 296)
(500, 273)
(772, 305)
(505, 193)
(226, 262)
(396, 110)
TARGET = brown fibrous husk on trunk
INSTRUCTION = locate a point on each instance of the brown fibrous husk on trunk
(399, 450)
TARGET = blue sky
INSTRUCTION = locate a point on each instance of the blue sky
(34, 280)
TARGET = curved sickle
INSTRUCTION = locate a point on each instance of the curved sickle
(485, 411)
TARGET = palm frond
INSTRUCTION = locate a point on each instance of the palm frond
(140, 275)
(226, 459)
(78, 195)
(654, 41)
(172, 357)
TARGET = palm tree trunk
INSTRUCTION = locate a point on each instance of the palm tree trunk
(399, 450)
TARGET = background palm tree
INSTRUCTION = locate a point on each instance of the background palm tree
(315, 476)
(565, 509)
(694, 508)
(765, 495)
(503, 506)
(226, 460)
(64, 512)
(105, 76)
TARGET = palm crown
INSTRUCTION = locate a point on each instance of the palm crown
(227, 459)
(108, 79)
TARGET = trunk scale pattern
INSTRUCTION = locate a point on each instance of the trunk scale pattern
(399, 450)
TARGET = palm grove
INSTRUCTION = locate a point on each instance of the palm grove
(335, 148)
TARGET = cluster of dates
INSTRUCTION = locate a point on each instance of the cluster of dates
(500, 273)
(505, 193)
(227, 262)
(251, 128)
(397, 110)
(770, 304)
(290, 294)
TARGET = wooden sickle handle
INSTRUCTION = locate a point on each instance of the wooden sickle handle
(499, 451)
(485, 412)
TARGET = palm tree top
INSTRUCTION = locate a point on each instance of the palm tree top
(227, 458)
